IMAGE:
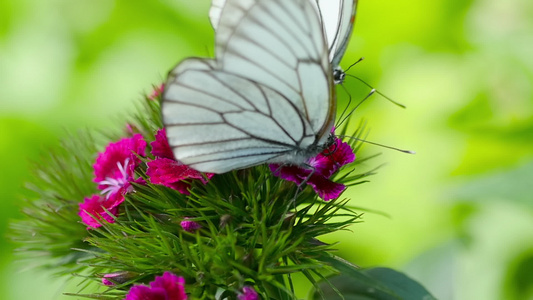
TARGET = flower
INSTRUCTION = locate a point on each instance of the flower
(114, 168)
(131, 129)
(190, 226)
(172, 174)
(157, 91)
(160, 147)
(112, 279)
(248, 293)
(166, 287)
(167, 171)
(322, 167)
(93, 209)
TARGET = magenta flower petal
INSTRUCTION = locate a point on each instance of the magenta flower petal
(320, 169)
(332, 159)
(115, 166)
(343, 155)
(157, 92)
(142, 292)
(326, 188)
(160, 147)
(291, 173)
(189, 226)
(173, 285)
(248, 293)
(93, 209)
(166, 287)
(172, 174)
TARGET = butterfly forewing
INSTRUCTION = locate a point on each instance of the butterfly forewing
(339, 33)
(252, 105)
(215, 11)
(275, 44)
(336, 16)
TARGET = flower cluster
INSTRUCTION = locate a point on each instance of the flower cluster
(114, 173)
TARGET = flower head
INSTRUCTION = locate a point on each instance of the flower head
(322, 167)
(189, 226)
(114, 168)
(95, 209)
(131, 129)
(167, 171)
(157, 91)
(166, 287)
(112, 279)
(160, 147)
(248, 293)
(173, 174)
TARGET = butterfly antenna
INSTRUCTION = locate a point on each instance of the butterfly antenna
(378, 144)
(355, 108)
(355, 63)
(377, 92)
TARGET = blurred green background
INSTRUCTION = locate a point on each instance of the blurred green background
(461, 209)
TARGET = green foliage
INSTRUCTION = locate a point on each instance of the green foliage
(52, 227)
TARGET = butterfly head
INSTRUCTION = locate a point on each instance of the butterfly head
(338, 75)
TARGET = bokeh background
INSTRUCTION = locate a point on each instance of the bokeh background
(460, 211)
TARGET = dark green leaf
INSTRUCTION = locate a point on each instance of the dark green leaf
(375, 284)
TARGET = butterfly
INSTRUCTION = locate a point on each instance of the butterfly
(337, 18)
(267, 97)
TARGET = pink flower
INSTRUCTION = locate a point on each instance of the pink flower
(165, 170)
(166, 287)
(93, 209)
(157, 91)
(131, 129)
(248, 293)
(160, 147)
(112, 279)
(323, 166)
(173, 174)
(114, 168)
(190, 226)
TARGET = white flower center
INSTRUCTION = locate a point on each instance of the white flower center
(115, 184)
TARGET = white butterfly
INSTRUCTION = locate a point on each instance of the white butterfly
(267, 96)
(337, 18)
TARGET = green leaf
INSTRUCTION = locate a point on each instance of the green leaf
(375, 284)
(401, 284)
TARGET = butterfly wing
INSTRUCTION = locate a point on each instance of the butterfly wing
(282, 47)
(249, 105)
(337, 18)
(214, 12)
